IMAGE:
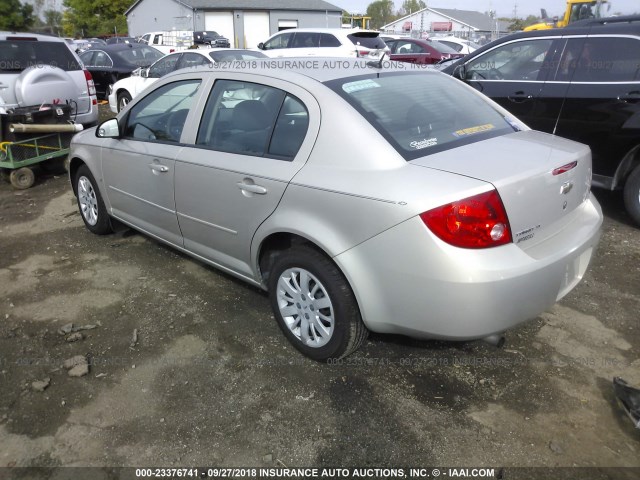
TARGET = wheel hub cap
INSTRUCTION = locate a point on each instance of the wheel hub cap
(88, 201)
(305, 307)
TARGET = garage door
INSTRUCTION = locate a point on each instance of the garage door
(221, 22)
(256, 28)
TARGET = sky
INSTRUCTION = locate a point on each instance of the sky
(504, 8)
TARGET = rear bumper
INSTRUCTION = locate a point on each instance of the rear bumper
(407, 281)
(89, 118)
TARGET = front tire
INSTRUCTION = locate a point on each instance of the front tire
(123, 100)
(632, 195)
(314, 305)
(92, 209)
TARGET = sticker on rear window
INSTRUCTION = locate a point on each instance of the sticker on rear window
(427, 142)
(359, 85)
(472, 130)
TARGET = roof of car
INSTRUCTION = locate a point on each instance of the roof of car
(345, 31)
(117, 47)
(38, 36)
(320, 69)
(628, 19)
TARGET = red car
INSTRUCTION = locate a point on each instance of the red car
(415, 50)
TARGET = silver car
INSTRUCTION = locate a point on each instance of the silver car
(361, 198)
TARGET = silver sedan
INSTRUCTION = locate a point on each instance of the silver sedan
(361, 198)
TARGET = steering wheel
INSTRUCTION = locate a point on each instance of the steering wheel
(175, 124)
(494, 74)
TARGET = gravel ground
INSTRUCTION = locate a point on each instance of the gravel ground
(207, 379)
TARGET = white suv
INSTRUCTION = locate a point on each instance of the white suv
(325, 42)
(37, 69)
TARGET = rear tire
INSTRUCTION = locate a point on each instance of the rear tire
(314, 305)
(92, 209)
(632, 195)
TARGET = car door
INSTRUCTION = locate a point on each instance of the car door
(252, 139)
(562, 63)
(513, 74)
(304, 44)
(602, 104)
(139, 167)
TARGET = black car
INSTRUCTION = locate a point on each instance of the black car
(210, 38)
(112, 40)
(110, 63)
(581, 82)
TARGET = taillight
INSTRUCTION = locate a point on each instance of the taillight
(565, 168)
(91, 86)
(475, 222)
(363, 53)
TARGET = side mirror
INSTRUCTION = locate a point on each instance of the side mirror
(261, 46)
(459, 72)
(144, 73)
(108, 129)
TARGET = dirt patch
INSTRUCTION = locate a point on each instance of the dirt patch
(210, 380)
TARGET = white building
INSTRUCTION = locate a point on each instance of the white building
(461, 23)
(244, 22)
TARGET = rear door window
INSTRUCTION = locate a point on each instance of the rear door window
(608, 59)
(305, 40)
(406, 47)
(253, 119)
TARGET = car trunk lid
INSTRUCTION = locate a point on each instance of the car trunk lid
(541, 179)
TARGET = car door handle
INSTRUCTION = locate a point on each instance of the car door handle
(249, 187)
(520, 97)
(631, 97)
(158, 168)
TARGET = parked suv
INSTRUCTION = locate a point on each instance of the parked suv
(325, 42)
(581, 82)
(37, 69)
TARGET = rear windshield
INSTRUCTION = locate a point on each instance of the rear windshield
(142, 56)
(16, 55)
(367, 39)
(420, 114)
